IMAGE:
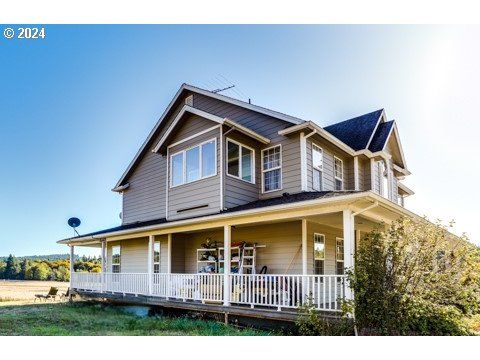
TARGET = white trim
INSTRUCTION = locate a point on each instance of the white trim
(278, 167)
(303, 162)
(221, 169)
(239, 177)
(167, 182)
(194, 136)
(382, 115)
(335, 174)
(304, 247)
(324, 251)
(151, 240)
(169, 253)
(184, 163)
(185, 109)
(227, 242)
(405, 188)
(246, 131)
(372, 174)
(320, 169)
(356, 175)
(400, 148)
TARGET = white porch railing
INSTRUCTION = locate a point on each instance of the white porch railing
(278, 291)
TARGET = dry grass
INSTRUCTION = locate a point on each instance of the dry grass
(23, 292)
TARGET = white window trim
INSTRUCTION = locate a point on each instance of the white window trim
(316, 167)
(386, 193)
(275, 168)
(240, 161)
(336, 255)
(324, 251)
(159, 256)
(184, 163)
(111, 259)
(335, 173)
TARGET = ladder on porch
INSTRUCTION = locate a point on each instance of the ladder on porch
(248, 260)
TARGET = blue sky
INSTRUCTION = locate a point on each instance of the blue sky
(76, 106)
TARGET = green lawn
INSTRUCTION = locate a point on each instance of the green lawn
(88, 319)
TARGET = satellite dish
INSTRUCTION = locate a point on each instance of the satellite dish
(74, 222)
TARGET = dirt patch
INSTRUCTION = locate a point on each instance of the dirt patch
(23, 291)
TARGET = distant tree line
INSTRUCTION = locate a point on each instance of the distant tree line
(38, 268)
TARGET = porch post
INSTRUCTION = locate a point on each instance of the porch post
(169, 253)
(227, 239)
(151, 241)
(304, 247)
(72, 257)
(348, 245)
(102, 274)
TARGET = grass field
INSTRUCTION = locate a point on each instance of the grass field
(80, 318)
(22, 292)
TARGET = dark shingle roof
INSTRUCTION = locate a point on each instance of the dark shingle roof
(381, 136)
(357, 131)
(284, 199)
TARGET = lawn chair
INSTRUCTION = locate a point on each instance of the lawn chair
(67, 294)
(52, 294)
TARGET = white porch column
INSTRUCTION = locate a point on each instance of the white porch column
(72, 258)
(227, 240)
(348, 245)
(304, 247)
(356, 175)
(103, 256)
(151, 241)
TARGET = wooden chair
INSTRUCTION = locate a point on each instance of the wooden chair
(52, 294)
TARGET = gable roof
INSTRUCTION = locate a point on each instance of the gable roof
(381, 136)
(357, 132)
(190, 88)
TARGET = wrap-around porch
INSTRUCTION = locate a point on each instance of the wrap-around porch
(300, 259)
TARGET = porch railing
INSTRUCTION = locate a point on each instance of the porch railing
(279, 291)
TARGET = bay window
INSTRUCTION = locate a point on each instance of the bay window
(272, 169)
(317, 165)
(195, 163)
(338, 164)
(240, 161)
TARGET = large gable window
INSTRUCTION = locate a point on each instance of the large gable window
(338, 164)
(195, 163)
(272, 168)
(317, 163)
(240, 161)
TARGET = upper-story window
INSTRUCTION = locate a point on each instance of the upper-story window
(116, 259)
(338, 169)
(195, 163)
(272, 168)
(317, 164)
(384, 186)
(240, 161)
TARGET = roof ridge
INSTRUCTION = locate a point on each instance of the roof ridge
(356, 117)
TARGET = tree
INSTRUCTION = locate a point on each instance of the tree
(39, 271)
(23, 269)
(415, 277)
(11, 268)
(2, 269)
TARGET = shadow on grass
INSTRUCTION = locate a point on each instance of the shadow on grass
(83, 318)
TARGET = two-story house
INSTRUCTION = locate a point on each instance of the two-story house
(234, 207)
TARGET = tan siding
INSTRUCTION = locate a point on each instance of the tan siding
(134, 255)
(330, 243)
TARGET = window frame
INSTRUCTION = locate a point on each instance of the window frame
(336, 255)
(200, 162)
(324, 252)
(159, 257)
(240, 161)
(275, 168)
(335, 158)
(384, 173)
(119, 257)
(319, 169)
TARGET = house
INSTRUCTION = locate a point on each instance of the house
(229, 206)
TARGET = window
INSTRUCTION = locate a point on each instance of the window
(319, 254)
(317, 163)
(240, 161)
(272, 169)
(384, 187)
(116, 259)
(194, 163)
(156, 257)
(338, 173)
(339, 256)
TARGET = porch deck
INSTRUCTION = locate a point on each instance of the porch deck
(280, 292)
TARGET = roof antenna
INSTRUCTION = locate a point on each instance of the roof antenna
(74, 223)
(249, 100)
(222, 89)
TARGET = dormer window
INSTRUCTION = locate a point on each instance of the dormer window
(338, 165)
(317, 164)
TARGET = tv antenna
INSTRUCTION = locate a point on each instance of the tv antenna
(74, 222)
(222, 89)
